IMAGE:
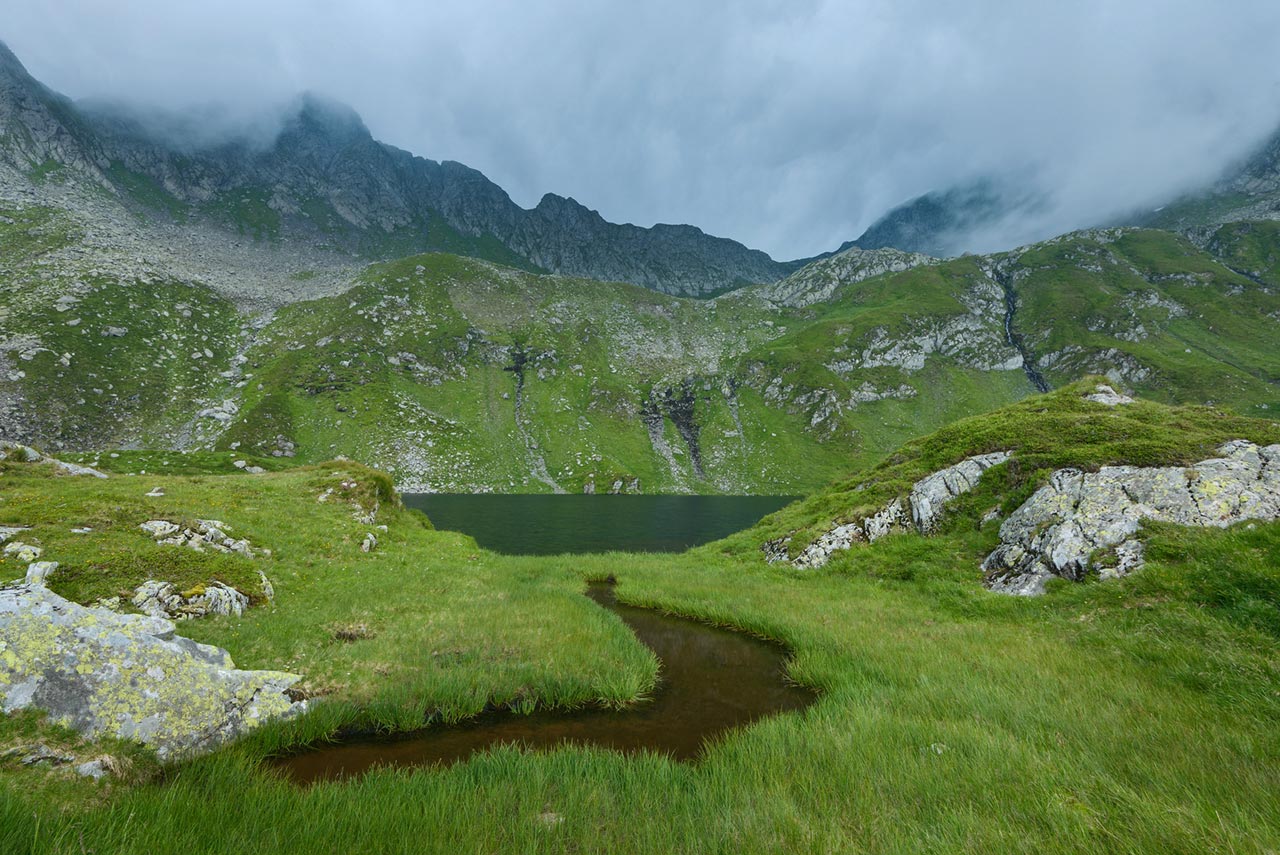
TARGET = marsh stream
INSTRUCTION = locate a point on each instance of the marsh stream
(711, 680)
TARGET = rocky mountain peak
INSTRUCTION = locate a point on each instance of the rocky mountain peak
(315, 173)
(326, 118)
(9, 62)
(1261, 173)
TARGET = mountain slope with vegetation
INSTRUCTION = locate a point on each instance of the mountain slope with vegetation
(455, 374)
(1136, 711)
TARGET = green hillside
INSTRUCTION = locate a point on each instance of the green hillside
(459, 375)
(1137, 712)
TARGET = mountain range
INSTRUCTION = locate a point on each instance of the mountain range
(324, 179)
(322, 294)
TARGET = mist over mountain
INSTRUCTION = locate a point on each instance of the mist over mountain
(313, 170)
(791, 128)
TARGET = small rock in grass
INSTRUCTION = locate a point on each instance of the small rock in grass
(23, 551)
(1108, 396)
(349, 632)
(159, 528)
(8, 531)
(369, 543)
(156, 492)
(39, 571)
(95, 769)
(37, 754)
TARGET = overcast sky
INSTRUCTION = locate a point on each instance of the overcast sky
(789, 125)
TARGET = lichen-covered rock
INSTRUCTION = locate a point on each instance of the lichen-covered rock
(38, 571)
(840, 537)
(885, 521)
(208, 534)
(8, 531)
(22, 551)
(161, 600)
(159, 528)
(775, 551)
(128, 676)
(1080, 515)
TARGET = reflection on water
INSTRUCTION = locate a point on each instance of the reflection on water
(547, 525)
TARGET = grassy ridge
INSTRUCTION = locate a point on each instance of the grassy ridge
(1133, 715)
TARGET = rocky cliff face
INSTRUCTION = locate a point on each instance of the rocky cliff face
(818, 281)
(324, 178)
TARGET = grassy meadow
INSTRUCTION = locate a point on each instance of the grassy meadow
(1137, 715)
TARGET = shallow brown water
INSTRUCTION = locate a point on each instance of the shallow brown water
(711, 680)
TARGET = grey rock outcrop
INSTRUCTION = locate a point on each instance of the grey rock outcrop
(819, 280)
(928, 497)
(1108, 397)
(161, 600)
(1083, 522)
(128, 676)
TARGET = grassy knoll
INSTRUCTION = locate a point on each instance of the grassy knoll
(1128, 716)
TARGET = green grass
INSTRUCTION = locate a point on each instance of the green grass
(1128, 716)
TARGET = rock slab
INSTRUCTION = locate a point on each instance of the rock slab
(128, 676)
(1082, 522)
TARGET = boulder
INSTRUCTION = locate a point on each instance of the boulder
(161, 600)
(128, 676)
(1108, 396)
(1083, 522)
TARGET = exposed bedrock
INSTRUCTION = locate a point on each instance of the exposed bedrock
(929, 496)
(1083, 522)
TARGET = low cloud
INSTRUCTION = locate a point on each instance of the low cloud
(789, 126)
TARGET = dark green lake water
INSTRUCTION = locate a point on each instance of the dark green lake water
(548, 525)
